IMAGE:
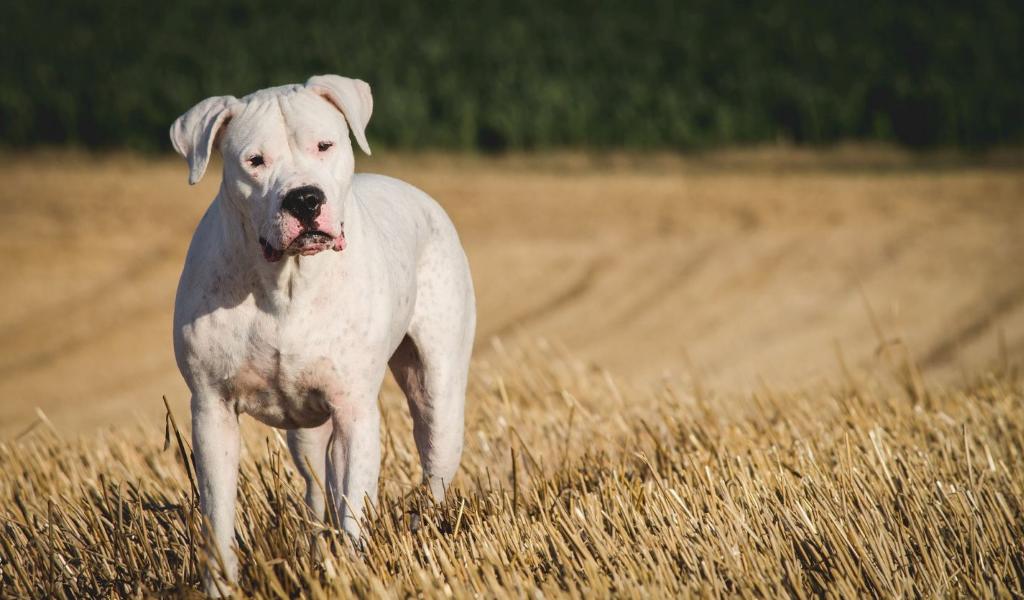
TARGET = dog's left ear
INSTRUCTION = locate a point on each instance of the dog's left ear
(352, 97)
(194, 132)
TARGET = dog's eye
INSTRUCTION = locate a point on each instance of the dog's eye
(255, 160)
(324, 146)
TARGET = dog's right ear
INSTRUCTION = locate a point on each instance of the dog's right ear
(352, 97)
(194, 132)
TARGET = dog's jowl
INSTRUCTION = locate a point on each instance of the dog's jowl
(304, 282)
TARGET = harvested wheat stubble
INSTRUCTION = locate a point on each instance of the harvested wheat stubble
(572, 484)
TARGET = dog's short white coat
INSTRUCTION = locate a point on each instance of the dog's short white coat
(303, 341)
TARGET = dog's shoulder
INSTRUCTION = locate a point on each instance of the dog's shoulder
(384, 187)
(404, 208)
(396, 196)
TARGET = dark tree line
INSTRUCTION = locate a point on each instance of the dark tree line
(483, 74)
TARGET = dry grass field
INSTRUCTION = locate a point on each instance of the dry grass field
(753, 373)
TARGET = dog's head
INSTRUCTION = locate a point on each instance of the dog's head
(288, 162)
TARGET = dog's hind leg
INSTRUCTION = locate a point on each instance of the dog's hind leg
(309, 450)
(436, 399)
(353, 464)
(431, 366)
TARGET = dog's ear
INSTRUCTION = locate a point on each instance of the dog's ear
(194, 132)
(352, 97)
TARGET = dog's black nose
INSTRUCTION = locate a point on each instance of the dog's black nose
(304, 203)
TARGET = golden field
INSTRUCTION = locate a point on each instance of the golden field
(751, 373)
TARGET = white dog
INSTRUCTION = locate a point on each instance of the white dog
(302, 284)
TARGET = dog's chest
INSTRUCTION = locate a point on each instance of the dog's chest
(290, 374)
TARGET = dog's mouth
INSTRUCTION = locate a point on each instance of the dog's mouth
(308, 240)
(306, 243)
(270, 253)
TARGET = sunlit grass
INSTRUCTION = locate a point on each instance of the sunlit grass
(572, 483)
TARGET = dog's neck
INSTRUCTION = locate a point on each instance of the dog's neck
(278, 285)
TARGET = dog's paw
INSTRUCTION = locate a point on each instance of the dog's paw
(356, 542)
(215, 587)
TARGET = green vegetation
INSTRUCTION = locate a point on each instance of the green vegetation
(490, 75)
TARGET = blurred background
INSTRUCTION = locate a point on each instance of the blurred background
(491, 76)
(724, 192)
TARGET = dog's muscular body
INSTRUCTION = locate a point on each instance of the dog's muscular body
(303, 283)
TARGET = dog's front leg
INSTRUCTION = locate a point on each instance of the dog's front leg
(355, 460)
(215, 442)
